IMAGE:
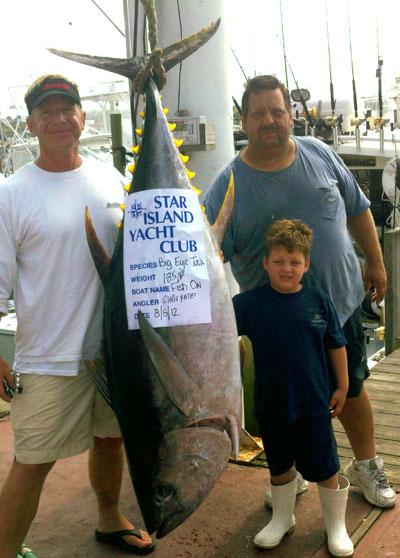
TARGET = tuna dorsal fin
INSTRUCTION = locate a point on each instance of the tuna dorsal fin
(100, 257)
(178, 384)
(221, 223)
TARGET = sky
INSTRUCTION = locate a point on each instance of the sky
(28, 28)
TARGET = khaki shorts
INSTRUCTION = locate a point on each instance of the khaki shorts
(58, 416)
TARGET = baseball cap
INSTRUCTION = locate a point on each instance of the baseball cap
(54, 85)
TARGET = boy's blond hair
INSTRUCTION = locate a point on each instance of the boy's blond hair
(292, 234)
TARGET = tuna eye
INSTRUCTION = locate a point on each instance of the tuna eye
(163, 494)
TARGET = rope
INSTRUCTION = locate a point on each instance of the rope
(154, 63)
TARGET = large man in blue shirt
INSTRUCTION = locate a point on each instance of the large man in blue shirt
(280, 176)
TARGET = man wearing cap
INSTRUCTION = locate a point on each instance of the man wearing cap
(56, 411)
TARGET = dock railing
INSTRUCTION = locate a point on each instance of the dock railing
(392, 297)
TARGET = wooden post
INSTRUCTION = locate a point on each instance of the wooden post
(392, 298)
(116, 141)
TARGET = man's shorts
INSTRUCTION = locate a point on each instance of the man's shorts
(59, 416)
(309, 444)
(356, 354)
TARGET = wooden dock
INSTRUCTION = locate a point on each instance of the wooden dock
(384, 390)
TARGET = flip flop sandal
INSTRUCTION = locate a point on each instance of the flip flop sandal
(116, 538)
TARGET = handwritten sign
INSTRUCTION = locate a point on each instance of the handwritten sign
(165, 269)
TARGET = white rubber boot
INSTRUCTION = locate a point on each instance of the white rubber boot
(283, 521)
(333, 503)
(302, 486)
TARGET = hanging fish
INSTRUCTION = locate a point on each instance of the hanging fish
(176, 390)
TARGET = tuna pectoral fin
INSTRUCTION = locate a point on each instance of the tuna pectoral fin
(176, 381)
(221, 223)
(100, 257)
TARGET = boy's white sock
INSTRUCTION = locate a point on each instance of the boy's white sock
(365, 462)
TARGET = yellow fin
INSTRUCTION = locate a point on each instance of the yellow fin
(131, 167)
(127, 187)
(184, 158)
(178, 142)
(142, 114)
(191, 174)
(198, 192)
(122, 206)
(171, 126)
(136, 149)
(139, 131)
(119, 225)
(166, 110)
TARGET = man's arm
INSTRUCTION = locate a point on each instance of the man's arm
(362, 229)
(338, 361)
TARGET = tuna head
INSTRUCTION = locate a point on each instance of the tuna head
(191, 461)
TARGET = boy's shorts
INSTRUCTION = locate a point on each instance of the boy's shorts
(356, 354)
(58, 416)
(309, 444)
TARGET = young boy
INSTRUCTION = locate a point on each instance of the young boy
(301, 383)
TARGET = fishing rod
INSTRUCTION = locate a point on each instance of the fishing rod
(283, 45)
(333, 100)
(353, 81)
(240, 66)
(379, 75)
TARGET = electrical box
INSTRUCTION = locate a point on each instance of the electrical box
(197, 134)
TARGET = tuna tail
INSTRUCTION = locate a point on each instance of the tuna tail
(130, 67)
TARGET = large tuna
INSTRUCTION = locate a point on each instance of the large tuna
(176, 390)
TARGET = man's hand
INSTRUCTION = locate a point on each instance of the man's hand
(5, 374)
(337, 402)
(375, 282)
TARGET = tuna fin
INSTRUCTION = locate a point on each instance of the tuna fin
(178, 384)
(97, 371)
(100, 257)
(130, 67)
(221, 223)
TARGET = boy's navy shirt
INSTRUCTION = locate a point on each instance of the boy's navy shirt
(290, 334)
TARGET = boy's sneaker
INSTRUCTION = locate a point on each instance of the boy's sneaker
(372, 480)
(302, 486)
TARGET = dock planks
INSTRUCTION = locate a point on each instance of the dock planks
(384, 390)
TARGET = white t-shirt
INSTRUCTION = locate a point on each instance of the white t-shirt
(45, 260)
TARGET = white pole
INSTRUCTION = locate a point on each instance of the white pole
(204, 85)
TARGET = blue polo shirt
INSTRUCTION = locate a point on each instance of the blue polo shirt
(316, 188)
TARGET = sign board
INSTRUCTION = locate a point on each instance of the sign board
(165, 269)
